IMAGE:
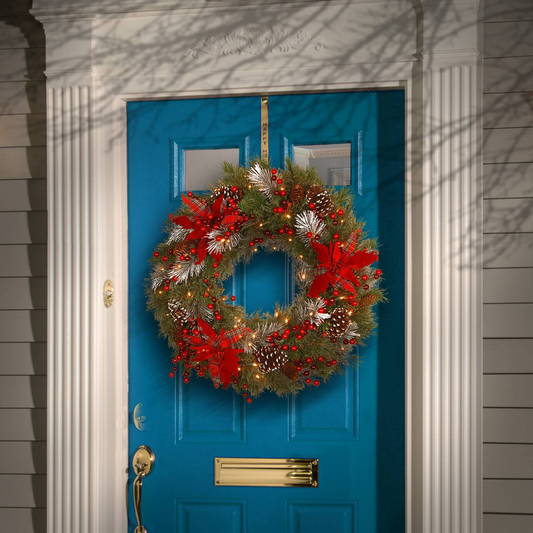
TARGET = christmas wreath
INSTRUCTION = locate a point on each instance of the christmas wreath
(300, 345)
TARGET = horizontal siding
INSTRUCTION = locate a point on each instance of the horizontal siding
(23, 520)
(23, 293)
(513, 390)
(504, 461)
(22, 392)
(508, 262)
(23, 424)
(497, 523)
(508, 285)
(508, 145)
(508, 110)
(22, 163)
(508, 215)
(508, 320)
(508, 425)
(508, 496)
(22, 97)
(23, 195)
(23, 260)
(508, 356)
(24, 457)
(23, 326)
(511, 75)
(23, 358)
(22, 130)
(509, 39)
(23, 228)
(22, 65)
(508, 10)
(21, 32)
(511, 180)
(508, 251)
(22, 490)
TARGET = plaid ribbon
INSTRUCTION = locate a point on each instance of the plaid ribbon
(195, 205)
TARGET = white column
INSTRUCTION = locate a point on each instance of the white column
(71, 267)
(451, 201)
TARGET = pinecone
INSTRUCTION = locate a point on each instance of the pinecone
(181, 248)
(179, 314)
(339, 322)
(227, 192)
(297, 194)
(367, 299)
(320, 198)
(270, 358)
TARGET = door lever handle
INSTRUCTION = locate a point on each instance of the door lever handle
(143, 461)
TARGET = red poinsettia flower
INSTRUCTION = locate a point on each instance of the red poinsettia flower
(205, 219)
(337, 265)
(219, 349)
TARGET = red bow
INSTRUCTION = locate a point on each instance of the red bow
(218, 348)
(337, 266)
(204, 219)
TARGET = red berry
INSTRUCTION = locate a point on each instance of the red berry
(166, 287)
(156, 254)
(244, 386)
(308, 360)
(251, 243)
(336, 236)
(334, 362)
(285, 347)
(279, 181)
(218, 317)
(378, 272)
(333, 215)
(316, 383)
(308, 381)
(210, 306)
(294, 348)
(364, 277)
(190, 194)
(320, 358)
(274, 171)
(309, 235)
(249, 400)
(171, 374)
(232, 298)
(335, 292)
(185, 380)
(340, 212)
(311, 205)
(164, 258)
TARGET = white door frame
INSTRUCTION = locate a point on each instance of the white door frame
(98, 58)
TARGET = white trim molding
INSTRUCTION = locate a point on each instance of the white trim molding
(100, 55)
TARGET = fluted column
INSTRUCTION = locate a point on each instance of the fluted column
(451, 345)
(70, 300)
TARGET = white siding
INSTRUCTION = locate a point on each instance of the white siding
(508, 261)
(23, 298)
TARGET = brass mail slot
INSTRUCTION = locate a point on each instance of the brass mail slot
(258, 472)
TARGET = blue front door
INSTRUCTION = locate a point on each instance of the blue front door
(355, 423)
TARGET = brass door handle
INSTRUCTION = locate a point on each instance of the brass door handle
(143, 461)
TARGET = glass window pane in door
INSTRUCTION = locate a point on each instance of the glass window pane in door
(203, 167)
(332, 161)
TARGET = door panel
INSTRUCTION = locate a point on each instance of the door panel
(355, 424)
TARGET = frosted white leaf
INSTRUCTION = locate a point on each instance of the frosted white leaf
(158, 276)
(225, 244)
(308, 222)
(258, 337)
(261, 178)
(178, 234)
(183, 270)
(312, 312)
(351, 332)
